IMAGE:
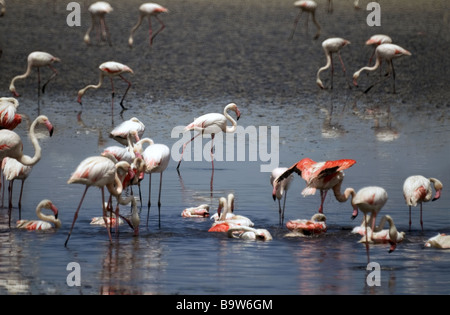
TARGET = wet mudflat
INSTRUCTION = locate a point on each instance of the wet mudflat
(210, 54)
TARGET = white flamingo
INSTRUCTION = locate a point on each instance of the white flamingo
(148, 10)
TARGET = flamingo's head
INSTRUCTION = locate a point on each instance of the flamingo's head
(44, 120)
(438, 186)
(233, 107)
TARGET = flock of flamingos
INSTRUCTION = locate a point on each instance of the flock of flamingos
(124, 165)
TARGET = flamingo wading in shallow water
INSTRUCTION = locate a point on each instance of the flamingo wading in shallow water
(98, 171)
(212, 123)
(45, 222)
(318, 175)
(331, 46)
(98, 10)
(386, 52)
(310, 8)
(109, 69)
(281, 190)
(417, 189)
(148, 10)
(36, 59)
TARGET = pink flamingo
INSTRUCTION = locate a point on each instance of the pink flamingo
(318, 175)
(317, 225)
(227, 219)
(98, 171)
(386, 52)
(381, 235)
(281, 190)
(308, 7)
(249, 233)
(377, 40)
(417, 189)
(439, 241)
(12, 170)
(99, 10)
(331, 46)
(8, 117)
(156, 158)
(148, 10)
(201, 211)
(212, 123)
(36, 59)
(11, 144)
(109, 69)
(369, 200)
(45, 222)
(131, 126)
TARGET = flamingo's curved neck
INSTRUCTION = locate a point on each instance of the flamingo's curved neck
(233, 126)
(47, 218)
(27, 160)
(20, 76)
(92, 86)
(343, 197)
(367, 68)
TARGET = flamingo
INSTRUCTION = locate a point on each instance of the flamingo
(36, 59)
(201, 211)
(417, 189)
(11, 145)
(109, 221)
(8, 117)
(212, 123)
(379, 234)
(317, 225)
(282, 189)
(387, 52)
(12, 170)
(148, 10)
(227, 219)
(249, 233)
(97, 171)
(131, 126)
(45, 222)
(98, 10)
(109, 69)
(439, 241)
(377, 40)
(330, 46)
(156, 158)
(318, 175)
(369, 200)
(308, 7)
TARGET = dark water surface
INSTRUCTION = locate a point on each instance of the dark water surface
(210, 54)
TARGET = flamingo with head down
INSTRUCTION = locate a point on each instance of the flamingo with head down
(281, 189)
(148, 10)
(309, 7)
(331, 46)
(98, 10)
(201, 211)
(317, 225)
(249, 233)
(46, 222)
(439, 241)
(317, 175)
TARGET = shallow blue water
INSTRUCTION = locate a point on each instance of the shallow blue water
(390, 136)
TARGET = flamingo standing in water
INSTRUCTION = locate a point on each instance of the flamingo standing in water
(281, 190)
(369, 200)
(308, 7)
(98, 171)
(386, 52)
(12, 170)
(318, 175)
(109, 69)
(98, 10)
(417, 189)
(148, 10)
(36, 59)
(156, 158)
(212, 123)
(8, 117)
(131, 126)
(377, 40)
(45, 222)
(331, 46)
